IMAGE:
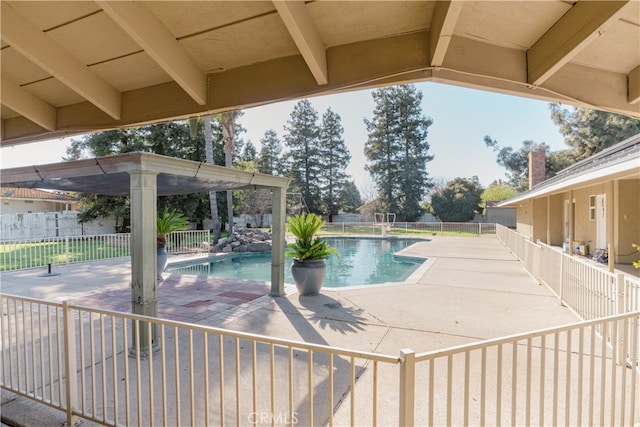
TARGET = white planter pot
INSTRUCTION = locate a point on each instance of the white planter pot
(308, 275)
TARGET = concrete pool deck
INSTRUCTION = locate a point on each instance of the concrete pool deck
(472, 288)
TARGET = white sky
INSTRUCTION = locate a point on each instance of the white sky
(461, 119)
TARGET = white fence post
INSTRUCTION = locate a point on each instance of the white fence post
(70, 374)
(66, 249)
(561, 287)
(407, 387)
(620, 309)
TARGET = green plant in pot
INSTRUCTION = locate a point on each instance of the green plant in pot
(168, 221)
(308, 252)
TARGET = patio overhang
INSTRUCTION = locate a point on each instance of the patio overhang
(70, 68)
(144, 176)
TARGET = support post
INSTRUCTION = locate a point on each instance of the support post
(144, 275)
(548, 241)
(278, 241)
(70, 378)
(66, 249)
(561, 290)
(620, 309)
(407, 387)
(572, 209)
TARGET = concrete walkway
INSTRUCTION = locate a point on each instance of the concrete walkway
(469, 289)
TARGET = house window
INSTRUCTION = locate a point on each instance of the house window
(592, 208)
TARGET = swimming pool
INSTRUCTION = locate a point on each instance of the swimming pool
(362, 261)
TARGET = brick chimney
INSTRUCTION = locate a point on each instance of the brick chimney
(537, 167)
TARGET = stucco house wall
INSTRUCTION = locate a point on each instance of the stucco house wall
(604, 191)
(628, 220)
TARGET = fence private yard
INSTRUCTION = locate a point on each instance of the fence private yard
(96, 364)
(400, 228)
(20, 226)
(18, 254)
(586, 288)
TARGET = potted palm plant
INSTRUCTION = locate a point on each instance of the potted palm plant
(308, 252)
(168, 221)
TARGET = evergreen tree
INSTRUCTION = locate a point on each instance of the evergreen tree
(397, 150)
(335, 158)
(269, 160)
(350, 199)
(302, 139)
(590, 131)
(249, 152)
(458, 201)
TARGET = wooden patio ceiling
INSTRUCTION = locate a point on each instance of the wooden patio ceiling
(70, 67)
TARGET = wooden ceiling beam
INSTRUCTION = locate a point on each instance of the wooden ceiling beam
(30, 106)
(443, 24)
(302, 29)
(34, 44)
(160, 44)
(583, 23)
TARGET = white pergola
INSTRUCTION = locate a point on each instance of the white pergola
(145, 176)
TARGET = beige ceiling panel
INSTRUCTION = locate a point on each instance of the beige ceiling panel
(486, 21)
(116, 72)
(341, 23)
(192, 17)
(7, 113)
(632, 13)
(53, 92)
(245, 43)
(617, 50)
(20, 69)
(96, 30)
(47, 14)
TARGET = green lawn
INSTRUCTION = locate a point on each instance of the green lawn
(26, 255)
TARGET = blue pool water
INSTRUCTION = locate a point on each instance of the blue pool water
(361, 262)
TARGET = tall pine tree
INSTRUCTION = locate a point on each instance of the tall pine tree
(302, 139)
(590, 131)
(397, 150)
(335, 158)
(269, 159)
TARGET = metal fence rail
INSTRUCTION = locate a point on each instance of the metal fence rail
(197, 375)
(400, 228)
(194, 375)
(558, 376)
(19, 254)
(589, 290)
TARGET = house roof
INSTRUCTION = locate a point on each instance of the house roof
(73, 67)
(111, 175)
(34, 194)
(621, 161)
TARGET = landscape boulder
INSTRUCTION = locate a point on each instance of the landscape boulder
(245, 240)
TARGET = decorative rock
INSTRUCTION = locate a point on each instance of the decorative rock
(245, 240)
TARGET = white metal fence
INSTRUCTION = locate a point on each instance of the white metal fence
(399, 228)
(19, 254)
(589, 290)
(559, 376)
(197, 375)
